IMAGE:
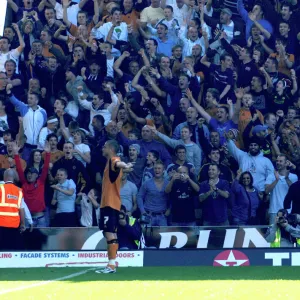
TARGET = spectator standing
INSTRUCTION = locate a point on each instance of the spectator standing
(246, 200)
(34, 118)
(90, 208)
(6, 53)
(12, 216)
(214, 196)
(33, 188)
(128, 194)
(253, 161)
(292, 198)
(74, 168)
(152, 199)
(182, 190)
(277, 184)
(64, 196)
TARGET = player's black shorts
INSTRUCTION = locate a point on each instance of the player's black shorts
(109, 219)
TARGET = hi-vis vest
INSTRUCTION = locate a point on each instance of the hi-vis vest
(131, 223)
(10, 203)
(276, 243)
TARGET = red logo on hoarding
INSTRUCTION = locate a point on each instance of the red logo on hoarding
(231, 258)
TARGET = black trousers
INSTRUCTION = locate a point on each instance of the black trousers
(10, 239)
(65, 220)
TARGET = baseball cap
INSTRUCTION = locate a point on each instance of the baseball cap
(227, 11)
(32, 170)
(259, 128)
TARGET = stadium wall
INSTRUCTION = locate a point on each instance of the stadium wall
(76, 239)
(155, 258)
(161, 246)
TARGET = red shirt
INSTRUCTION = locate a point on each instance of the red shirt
(34, 192)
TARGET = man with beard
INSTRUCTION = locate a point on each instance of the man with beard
(252, 161)
(278, 184)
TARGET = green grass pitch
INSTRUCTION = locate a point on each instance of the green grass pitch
(152, 283)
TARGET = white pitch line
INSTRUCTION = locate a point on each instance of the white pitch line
(45, 282)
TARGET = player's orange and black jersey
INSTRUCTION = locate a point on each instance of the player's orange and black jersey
(111, 185)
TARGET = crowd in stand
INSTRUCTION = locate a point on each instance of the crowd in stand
(202, 97)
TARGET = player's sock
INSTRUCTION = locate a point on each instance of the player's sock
(112, 262)
(112, 251)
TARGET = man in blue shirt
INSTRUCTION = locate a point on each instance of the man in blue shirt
(214, 194)
(152, 199)
(164, 44)
(64, 196)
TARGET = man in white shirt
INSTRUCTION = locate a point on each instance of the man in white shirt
(72, 10)
(114, 30)
(14, 54)
(277, 184)
(193, 39)
(52, 124)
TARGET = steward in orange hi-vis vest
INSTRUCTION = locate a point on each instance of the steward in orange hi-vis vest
(10, 204)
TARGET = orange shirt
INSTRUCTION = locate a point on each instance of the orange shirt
(282, 68)
(131, 18)
(55, 156)
(111, 185)
(7, 162)
(47, 53)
